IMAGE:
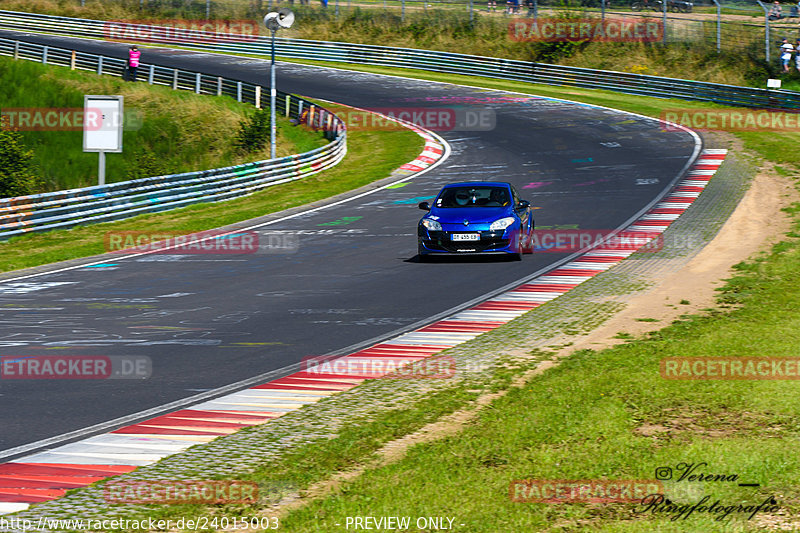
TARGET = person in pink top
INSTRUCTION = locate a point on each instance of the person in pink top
(133, 62)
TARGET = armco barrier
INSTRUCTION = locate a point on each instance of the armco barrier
(103, 203)
(445, 62)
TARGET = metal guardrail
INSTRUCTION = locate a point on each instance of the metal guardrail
(103, 203)
(445, 62)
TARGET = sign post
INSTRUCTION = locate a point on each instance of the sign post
(102, 128)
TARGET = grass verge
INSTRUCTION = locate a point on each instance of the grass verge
(175, 131)
(610, 415)
(606, 415)
(692, 54)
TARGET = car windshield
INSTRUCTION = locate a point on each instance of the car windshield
(474, 197)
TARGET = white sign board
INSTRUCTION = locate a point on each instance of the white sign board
(773, 84)
(102, 123)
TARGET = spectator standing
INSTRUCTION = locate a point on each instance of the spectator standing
(775, 11)
(797, 54)
(786, 54)
(133, 62)
(531, 5)
(491, 5)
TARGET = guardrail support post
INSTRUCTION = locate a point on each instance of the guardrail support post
(299, 109)
(44, 55)
(174, 79)
(16, 49)
(288, 104)
(238, 91)
(197, 82)
(766, 29)
(72, 60)
(258, 96)
(151, 75)
(100, 65)
(219, 85)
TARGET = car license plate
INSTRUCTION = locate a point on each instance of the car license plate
(466, 237)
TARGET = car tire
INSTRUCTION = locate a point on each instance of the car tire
(422, 257)
(528, 249)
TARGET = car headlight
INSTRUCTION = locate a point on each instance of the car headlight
(432, 225)
(503, 223)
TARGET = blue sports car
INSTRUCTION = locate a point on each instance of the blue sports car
(478, 217)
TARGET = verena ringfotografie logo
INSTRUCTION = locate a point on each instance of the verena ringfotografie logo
(202, 242)
(181, 492)
(582, 490)
(576, 30)
(731, 368)
(75, 367)
(434, 367)
(180, 31)
(573, 240)
(729, 120)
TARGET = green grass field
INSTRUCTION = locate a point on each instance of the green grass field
(605, 415)
(179, 131)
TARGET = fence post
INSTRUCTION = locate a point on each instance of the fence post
(402, 10)
(174, 79)
(664, 22)
(603, 10)
(719, 22)
(238, 91)
(151, 75)
(99, 64)
(299, 109)
(197, 83)
(72, 60)
(471, 16)
(44, 55)
(258, 96)
(766, 29)
(219, 85)
(288, 104)
(16, 50)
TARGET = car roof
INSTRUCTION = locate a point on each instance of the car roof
(478, 184)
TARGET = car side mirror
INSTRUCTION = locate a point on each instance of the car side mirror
(523, 203)
(425, 206)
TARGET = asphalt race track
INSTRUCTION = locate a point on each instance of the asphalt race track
(211, 320)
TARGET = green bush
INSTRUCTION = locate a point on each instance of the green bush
(253, 134)
(17, 174)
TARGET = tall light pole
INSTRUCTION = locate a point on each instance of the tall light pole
(274, 21)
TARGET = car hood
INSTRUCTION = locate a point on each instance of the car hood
(475, 215)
